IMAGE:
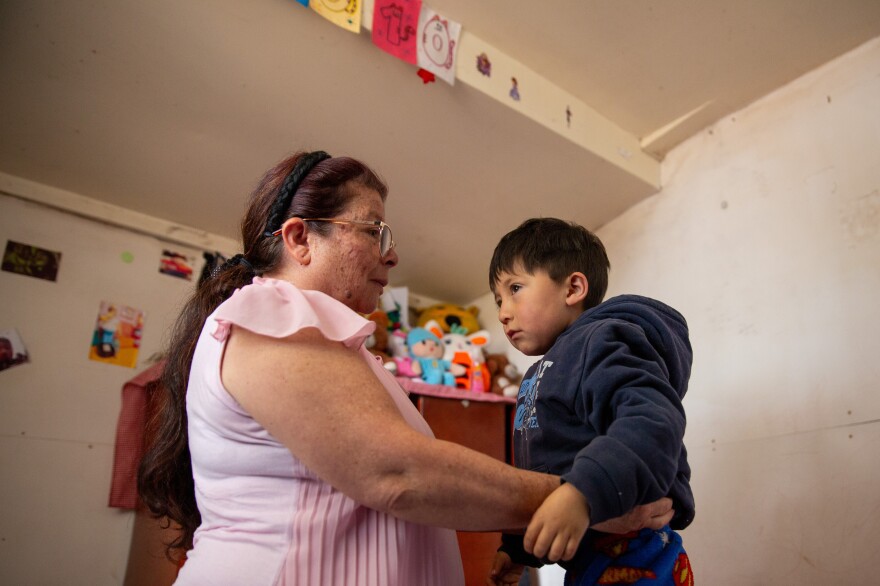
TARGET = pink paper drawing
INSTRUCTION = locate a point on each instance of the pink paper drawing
(394, 27)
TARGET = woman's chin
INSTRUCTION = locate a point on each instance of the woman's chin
(366, 306)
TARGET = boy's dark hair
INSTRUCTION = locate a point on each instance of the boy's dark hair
(558, 247)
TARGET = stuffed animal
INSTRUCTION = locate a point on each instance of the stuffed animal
(377, 343)
(426, 350)
(451, 317)
(506, 377)
(467, 350)
(402, 363)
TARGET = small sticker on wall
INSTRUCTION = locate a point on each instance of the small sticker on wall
(484, 66)
(427, 76)
(12, 350)
(31, 261)
(176, 264)
(514, 89)
(117, 335)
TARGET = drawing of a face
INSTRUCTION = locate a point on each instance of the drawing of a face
(108, 315)
(436, 42)
(335, 5)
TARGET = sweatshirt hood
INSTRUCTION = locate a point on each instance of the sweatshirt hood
(665, 328)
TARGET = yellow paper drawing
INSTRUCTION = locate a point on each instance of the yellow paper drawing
(344, 13)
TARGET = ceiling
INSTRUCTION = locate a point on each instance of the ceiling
(174, 109)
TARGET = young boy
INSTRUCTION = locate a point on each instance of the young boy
(602, 409)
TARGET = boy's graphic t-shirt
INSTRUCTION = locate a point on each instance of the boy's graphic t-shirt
(526, 416)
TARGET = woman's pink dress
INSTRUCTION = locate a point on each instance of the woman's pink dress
(266, 518)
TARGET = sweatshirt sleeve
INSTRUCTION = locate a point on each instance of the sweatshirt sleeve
(626, 394)
(512, 545)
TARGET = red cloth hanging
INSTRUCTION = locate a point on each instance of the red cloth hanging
(130, 431)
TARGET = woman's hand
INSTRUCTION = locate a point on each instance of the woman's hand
(504, 572)
(651, 516)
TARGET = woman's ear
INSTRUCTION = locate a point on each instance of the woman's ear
(295, 234)
(577, 289)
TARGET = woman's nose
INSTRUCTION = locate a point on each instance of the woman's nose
(391, 259)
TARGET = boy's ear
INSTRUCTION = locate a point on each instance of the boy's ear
(578, 286)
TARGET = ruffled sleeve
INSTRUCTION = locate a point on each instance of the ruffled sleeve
(276, 308)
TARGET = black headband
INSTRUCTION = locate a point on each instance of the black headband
(291, 183)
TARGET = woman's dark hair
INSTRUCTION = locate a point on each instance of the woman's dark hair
(557, 247)
(165, 480)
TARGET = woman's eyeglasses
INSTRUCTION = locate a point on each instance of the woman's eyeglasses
(386, 241)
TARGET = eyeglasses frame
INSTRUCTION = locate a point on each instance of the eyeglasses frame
(372, 223)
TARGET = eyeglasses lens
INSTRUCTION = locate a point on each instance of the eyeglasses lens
(385, 240)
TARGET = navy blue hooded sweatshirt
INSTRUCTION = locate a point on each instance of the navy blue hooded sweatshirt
(603, 410)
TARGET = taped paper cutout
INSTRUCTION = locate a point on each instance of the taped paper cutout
(437, 44)
(395, 23)
(343, 13)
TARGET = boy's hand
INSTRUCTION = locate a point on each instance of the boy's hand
(504, 572)
(558, 525)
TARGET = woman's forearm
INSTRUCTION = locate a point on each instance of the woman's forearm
(451, 486)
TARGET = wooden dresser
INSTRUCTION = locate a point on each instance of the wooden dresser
(480, 421)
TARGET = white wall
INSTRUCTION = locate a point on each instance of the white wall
(766, 236)
(58, 412)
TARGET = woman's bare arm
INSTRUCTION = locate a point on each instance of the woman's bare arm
(323, 402)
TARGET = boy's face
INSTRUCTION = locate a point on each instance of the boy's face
(533, 308)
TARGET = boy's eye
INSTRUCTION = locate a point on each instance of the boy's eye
(515, 288)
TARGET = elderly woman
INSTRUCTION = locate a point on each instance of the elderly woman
(285, 451)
